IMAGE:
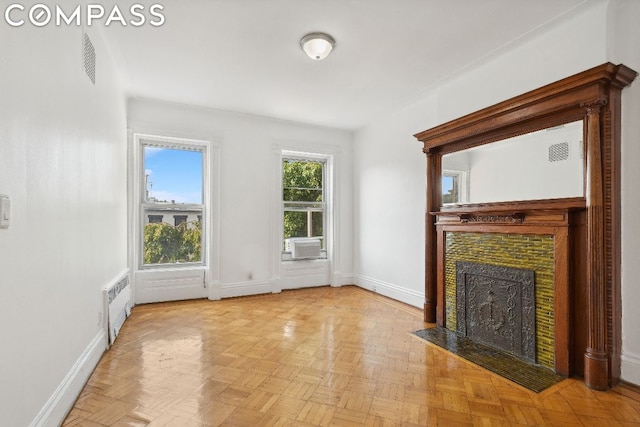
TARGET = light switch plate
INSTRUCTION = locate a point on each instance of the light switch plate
(5, 211)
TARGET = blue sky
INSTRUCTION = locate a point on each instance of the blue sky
(447, 184)
(174, 174)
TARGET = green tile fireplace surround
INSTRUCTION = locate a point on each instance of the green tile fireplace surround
(535, 252)
(582, 227)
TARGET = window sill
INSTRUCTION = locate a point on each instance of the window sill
(286, 257)
(171, 267)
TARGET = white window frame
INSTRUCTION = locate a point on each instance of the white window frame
(141, 205)
(310, 157)
(329, 193)
(463, 184)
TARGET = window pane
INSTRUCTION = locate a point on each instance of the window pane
(172, 175)
(303, 199)
(450, 189)
(304, 224)
(318, 225)
(172, 231)
(302, 194)
(154, 218)
(302, 180)
(165, 243)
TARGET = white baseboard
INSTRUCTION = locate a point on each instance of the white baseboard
(343, 279)
(408, 296)
(299, 282)
(252, 287)
(60, 403)
(630, 368)
(241, 289)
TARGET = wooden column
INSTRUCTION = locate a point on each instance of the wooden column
(593, 292)
(596, 359)
(434, 169)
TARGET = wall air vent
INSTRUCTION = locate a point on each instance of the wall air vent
(89, 58)
(559, 152)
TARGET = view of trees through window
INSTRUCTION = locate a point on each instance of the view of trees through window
(303, 198)
(172, 204)
(165, 243)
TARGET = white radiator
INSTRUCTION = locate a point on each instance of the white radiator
(303, 247)
(117, 305)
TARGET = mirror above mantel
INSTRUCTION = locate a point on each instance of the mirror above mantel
(545, 164)
(510, 172)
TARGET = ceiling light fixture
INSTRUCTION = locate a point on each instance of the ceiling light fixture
(317, 45)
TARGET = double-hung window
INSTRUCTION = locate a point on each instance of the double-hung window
(172, 204)
(304, 202)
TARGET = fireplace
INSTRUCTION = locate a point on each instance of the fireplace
(584, 225)
(520, 268)
(495, 305)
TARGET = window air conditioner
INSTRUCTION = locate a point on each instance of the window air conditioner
(303, 247)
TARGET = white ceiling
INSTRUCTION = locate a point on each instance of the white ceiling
(244, 55)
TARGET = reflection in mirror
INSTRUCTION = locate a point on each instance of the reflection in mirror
(546, 164)
(454, 186)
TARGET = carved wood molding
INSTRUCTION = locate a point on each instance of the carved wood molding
(516, 218)
(594, 97)
(533, 110)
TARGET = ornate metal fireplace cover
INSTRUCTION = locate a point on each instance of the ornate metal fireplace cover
(495, 305)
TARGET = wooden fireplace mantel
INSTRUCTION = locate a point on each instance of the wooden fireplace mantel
(563, 219)
(593, 96)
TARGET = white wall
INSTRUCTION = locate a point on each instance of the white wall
(248, 244)
(389, 169)
(389, 196)
(563, 48)
(63, 163)
(624, 47)
(519, 168)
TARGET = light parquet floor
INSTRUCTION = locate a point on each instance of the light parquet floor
(314, 357)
